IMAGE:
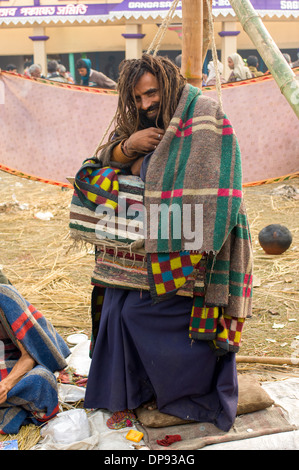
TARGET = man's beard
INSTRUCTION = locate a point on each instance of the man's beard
(146, 122)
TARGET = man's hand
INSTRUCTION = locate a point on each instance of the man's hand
(24, 364)
(3, 392)
(136, 166)
(144, 141)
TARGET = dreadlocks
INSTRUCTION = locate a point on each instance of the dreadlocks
(171, 84)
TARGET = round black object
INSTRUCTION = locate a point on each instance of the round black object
(275, 239)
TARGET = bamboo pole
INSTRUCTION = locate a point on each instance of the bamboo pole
(268, 360)
(272, 56)
(192, 41)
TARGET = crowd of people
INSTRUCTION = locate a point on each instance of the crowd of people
(241, 69)
(57, 72)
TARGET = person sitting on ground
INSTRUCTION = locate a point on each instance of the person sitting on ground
(252, 62)
(26, 67)
(239, 69)
(178, 60)
(11, 68)
(35, 71)
(53, 73)
(287, 58)
(91, 77)
(153, 344)
(111, 69)
(211, 78)
(30, 352)
(296, 62)
(65, 74)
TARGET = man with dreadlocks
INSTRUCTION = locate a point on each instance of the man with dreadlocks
(174, 343)
(143, 111)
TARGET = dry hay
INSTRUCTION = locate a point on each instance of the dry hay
(27, 437)
(273, 328)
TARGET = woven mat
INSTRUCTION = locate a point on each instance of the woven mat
(198, 435)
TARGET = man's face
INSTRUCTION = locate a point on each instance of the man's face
(147, 96)
(82, 72)
(230, 63)
(36, 74)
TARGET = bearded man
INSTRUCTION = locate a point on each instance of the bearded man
(174, 343)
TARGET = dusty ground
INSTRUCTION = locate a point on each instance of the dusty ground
(35, 256)
(274, 325)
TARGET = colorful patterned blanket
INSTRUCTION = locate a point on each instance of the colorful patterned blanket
(104, 205)
(35, 396)
(129, 271)
(122, 260)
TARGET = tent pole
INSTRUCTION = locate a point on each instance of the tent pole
(270, 53)
(267, 360)
(192, 41)
(206, 41)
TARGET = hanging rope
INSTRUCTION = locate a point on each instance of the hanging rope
(214, 54)
(155, 44)
(104, 135)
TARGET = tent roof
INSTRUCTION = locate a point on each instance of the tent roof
(146, 9)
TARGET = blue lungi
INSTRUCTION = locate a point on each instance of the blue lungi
(143, 351)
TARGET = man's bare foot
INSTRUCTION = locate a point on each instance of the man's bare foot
(151, 405)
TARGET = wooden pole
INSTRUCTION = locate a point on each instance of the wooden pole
(268, 360)
(272, 56)
(192, 41)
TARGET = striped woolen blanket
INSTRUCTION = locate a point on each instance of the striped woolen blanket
(197, 165)
(35, 396)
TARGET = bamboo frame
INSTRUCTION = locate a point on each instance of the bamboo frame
(192, 41)
(273, 58)
(267, 360)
